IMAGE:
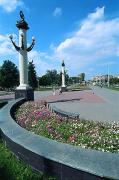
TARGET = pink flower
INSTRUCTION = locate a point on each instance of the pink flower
(72, 138)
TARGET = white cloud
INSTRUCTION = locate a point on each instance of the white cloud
(41, 60)
(57, 12)
(10, 6)
(95, 43)
(97, 15)
(6, 47)
(95, 40)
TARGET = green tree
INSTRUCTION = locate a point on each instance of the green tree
(82, 77)
(52, 76)
(9, 75)
(44, 81)
(59, 79)
(66, 78)
(73, 80)
(32, 78)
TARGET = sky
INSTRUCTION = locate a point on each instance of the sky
(85, 34)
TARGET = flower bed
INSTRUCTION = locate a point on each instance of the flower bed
(35, 117)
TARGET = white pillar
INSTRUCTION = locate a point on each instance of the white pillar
(108, 78)
(63, 76)
(23, 61)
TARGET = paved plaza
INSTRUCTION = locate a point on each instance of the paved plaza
(6, 95)
(98, 104)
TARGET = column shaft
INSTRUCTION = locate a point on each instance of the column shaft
(23, 60)
(63, 76)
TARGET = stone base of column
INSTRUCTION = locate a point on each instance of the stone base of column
(63, 89)
(28, 94)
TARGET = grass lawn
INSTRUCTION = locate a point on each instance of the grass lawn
(47, 88)
(78, 87)
(13, 169)
(35, 117)
(44, 89)
(113, 88)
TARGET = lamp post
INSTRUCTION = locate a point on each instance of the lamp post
(23, 90)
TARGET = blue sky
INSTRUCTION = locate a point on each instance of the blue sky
(83, 33)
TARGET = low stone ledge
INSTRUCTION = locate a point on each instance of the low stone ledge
(49, 156)
(64, 113)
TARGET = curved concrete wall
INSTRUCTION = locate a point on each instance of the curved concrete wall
(61, 160)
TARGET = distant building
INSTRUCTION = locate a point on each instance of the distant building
(102, 78)
(116, 76)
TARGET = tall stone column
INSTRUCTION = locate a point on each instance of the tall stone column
(23, 90)
(63, 87)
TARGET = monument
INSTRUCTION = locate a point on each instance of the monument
(23, 90)
(63, 87)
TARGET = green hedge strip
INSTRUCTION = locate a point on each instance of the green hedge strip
(13, 169)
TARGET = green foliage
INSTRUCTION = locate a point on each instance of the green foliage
(13, 169)
(9, 75)
(82, 77)
(45, 88)
(52, 75)
(78, 87)
(113, 88)
(114, 80)
(52, 78)
(73, 80)
(44, 81)
(32, 78)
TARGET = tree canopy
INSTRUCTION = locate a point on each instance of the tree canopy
(82, 77)
(32, 77)
(52, 77)
(9, 75)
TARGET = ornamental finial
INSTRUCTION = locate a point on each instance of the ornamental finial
(63, 63)
(21, 15)
(22, 24)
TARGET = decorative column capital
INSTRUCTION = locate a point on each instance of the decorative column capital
(63, 63)
(22, 24)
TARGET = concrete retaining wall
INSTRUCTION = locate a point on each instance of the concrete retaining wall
(57, 159)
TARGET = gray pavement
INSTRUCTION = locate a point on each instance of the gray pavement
(39, 94)
(107, 111)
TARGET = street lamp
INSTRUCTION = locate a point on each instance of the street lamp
(23, 90)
